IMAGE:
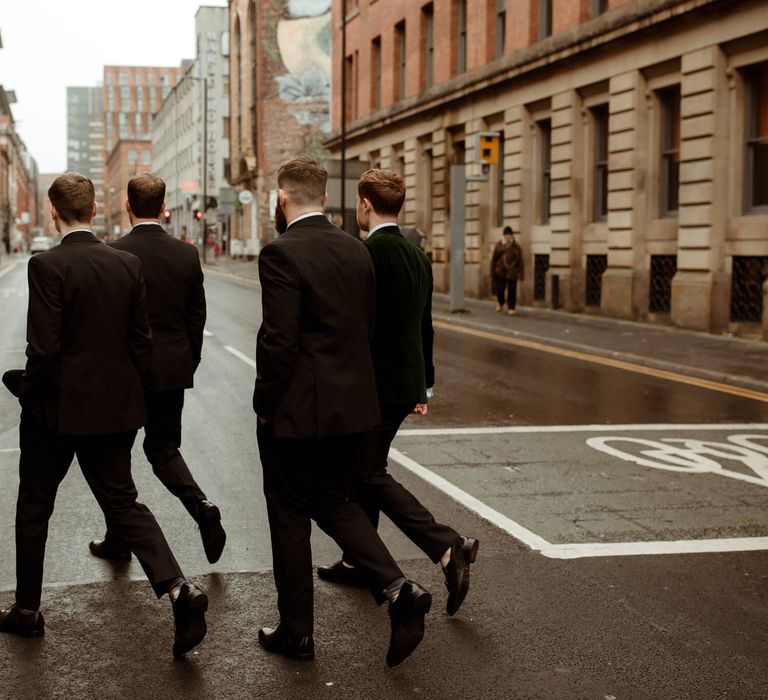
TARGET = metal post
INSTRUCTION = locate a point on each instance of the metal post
(458, 192)
(205, 162)
(343, 174)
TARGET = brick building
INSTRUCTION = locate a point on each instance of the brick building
(634, 144)
(279, 95)
(131, 97)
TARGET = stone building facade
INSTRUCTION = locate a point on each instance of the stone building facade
(132, 95)
(280, 72)
(634, 144)
(177, 130)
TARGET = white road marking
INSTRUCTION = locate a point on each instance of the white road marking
(11, 449)
(474, 504)
(6, 270)
(427, 432)
(207, 333)
(578, 550)
(241, 356)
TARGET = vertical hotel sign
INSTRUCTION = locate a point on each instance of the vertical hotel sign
(210, 68)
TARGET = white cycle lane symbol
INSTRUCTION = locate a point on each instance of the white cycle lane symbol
(692, 456)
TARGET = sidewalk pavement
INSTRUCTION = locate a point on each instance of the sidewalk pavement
(720, 358)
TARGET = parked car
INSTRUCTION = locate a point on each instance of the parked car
(40, 244)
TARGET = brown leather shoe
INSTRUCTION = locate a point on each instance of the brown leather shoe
(279, 642)
(13, 621)
(189, 617)
(211, 531)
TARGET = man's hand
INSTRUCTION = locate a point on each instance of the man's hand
(421, 409)
(261, 420)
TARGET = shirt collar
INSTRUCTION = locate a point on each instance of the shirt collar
(305, 216)
(385, 224)
(147, 223)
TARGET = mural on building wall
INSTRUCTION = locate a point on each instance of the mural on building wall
(304, 47)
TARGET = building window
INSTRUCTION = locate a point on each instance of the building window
(598, 7)
(545, 18)
(376, 73)
(501, 27)
(122, 78)
(670, 150)
(111, 99)
(145, 157)
(428, 44)
(125, 99)
(137, 124)
(540, 267)
(139, 99)
(400, 60)
(351, 84)
(663, 269)
(461, 35)
(600, 179)
(757, 137)
(596, 266)
(131, 157)
(747, 280)
(123, 123)
(544, 128)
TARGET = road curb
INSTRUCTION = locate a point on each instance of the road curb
(697, 372)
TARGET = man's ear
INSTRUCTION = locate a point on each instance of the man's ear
(127, 206)
(325, 199)
(93, 213)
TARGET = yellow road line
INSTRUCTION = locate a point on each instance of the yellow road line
(608, 362)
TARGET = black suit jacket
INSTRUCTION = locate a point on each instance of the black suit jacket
(402, 345)
(175, 303)
(89, 346)
(315, 372)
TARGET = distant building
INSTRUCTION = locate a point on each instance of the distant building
(279, 94)
(85, 142)
(131, 97)
(177, 131)
(633, 161)
(45, 180)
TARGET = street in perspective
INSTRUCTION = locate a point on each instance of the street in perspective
(575, 200)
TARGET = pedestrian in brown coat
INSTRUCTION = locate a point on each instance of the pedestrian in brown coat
(507, 268)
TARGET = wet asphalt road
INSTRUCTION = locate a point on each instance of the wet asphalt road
(534, 625)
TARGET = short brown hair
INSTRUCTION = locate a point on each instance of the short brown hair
(304, 179)
(384, 189)
(146, 194)
(72, 196)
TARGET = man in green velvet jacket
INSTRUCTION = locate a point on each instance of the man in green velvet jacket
(402, 357)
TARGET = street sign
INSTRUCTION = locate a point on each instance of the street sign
(245, 197)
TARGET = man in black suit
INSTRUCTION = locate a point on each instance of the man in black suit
(176, 310)
(402, 356)
(89, 349)
(315, 394)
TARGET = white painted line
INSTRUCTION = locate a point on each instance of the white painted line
(600, 428)
(6, 270)
(624, 549)
(468, 501)
(11, 449)
(207, 333)
(580, 550)
(241, 356)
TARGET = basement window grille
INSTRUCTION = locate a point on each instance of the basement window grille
(663, 269)
(596, 266)
(749, 274)
(540, 267)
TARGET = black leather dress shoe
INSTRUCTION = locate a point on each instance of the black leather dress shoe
(463, 553)
(104, 549)
(406, 616)
(338, 573)
(277, 641)
(189, 615)
(13, 621)
(212, 533)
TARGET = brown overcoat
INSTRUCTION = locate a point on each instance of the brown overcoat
(507, 261)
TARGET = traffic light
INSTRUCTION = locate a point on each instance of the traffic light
(167, 216)
(488, 147)
(198, 215)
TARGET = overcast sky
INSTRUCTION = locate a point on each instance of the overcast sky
(50, 44)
